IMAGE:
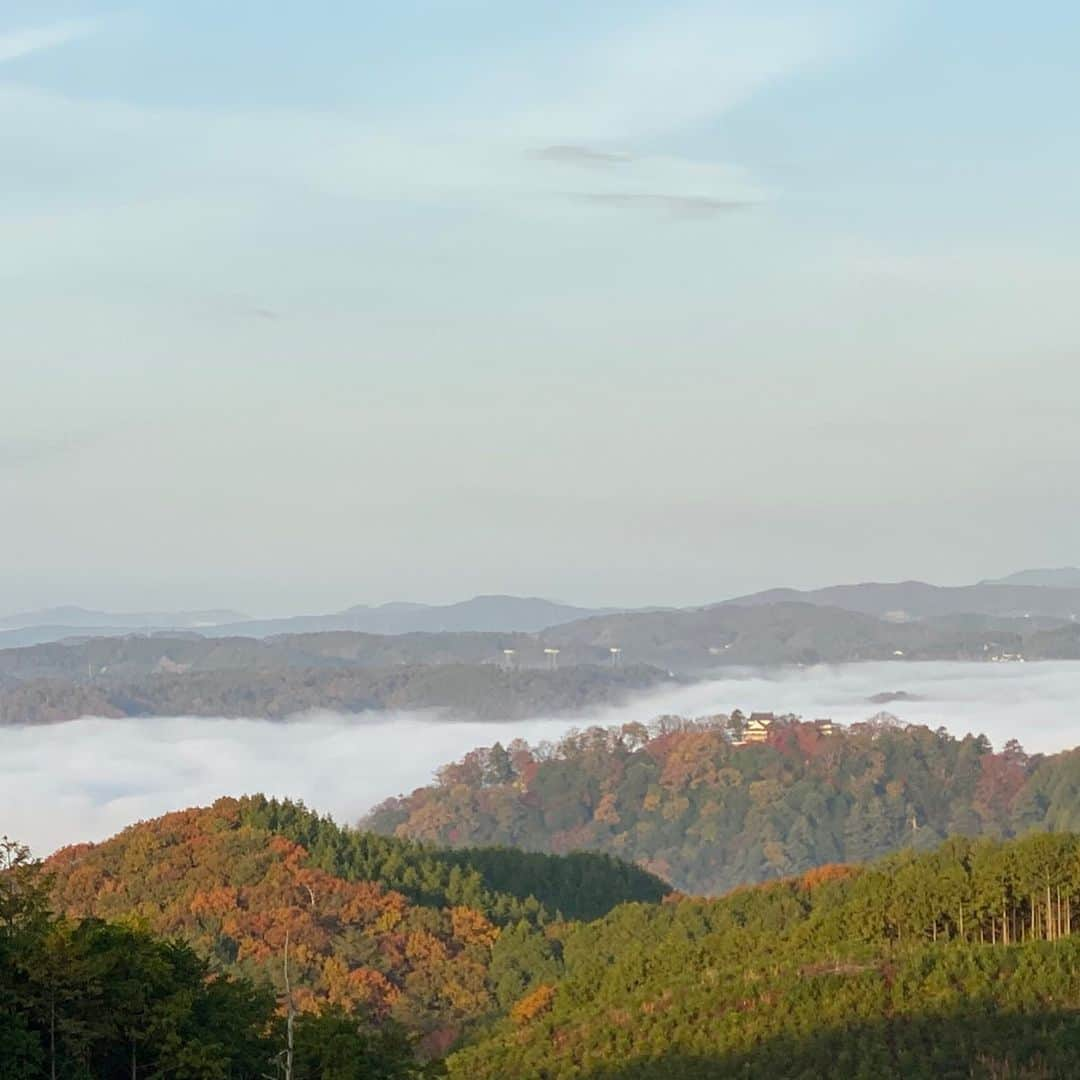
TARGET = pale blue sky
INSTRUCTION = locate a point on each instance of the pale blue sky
(311, 304)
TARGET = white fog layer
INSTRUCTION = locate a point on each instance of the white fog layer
(87, 779)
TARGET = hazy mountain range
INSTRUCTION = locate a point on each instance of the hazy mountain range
(470, 674)
(908, 600)
(1064, 577)
(73, 617)
(478, 615)
(506, 657)
(481, 613)
(1054, 593)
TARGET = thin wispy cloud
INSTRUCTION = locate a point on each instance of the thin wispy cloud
(635, 170)
(676, 205)
(18, 43)
(172, 152)
(581, 156)
(682, 68)
(679, 67)
(230, 308)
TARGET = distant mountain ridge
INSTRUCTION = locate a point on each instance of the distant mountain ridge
(481, 614)
(1064, 577)
(507, 657)
(1053, 593)
(901, 600)
(772, 632)
(70, 617)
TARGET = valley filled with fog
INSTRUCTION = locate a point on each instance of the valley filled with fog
(88, 778)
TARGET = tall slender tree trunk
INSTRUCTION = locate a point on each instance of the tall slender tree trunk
(289, 1015)
(52, 1036)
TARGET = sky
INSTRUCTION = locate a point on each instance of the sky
(307, 305)
(87, 779)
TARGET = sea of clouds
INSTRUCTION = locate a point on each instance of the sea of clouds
(87, 779)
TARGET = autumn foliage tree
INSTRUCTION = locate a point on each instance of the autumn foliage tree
(692, 801)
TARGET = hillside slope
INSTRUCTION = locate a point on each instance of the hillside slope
(894, 970)
(795, 631)
(960, 963)
(84, 998)
(683, 799)
(384, 926)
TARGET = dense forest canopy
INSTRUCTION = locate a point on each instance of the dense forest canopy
(955, 963)
(95, 1000)
(958, 962)
(388, 927)
(481, 691)
(707, 811)
(792, 631)
(505, 883)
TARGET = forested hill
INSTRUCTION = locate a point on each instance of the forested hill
(955, 964)
(790, 630)
(386, 926)
(474, 691)
(83, 998)
(685, 800)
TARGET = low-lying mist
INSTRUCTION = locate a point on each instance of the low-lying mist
(87, 779)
